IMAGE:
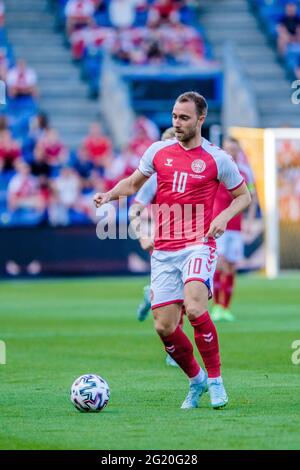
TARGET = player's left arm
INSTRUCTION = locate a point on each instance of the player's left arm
(251, 212)
(241, 201)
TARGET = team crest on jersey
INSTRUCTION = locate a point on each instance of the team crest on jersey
(198, 166)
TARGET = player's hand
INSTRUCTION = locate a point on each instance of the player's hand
(101, 198)
(217, 227)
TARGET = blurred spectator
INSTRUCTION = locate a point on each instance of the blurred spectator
(10, 150)
(85, 205)
(3, 65)
(167, 42)
(50, 149)
(79, 13)
(39, 167)
(66, 193)
(145, 132)
(144, 124)
(21, 81)
(288, 28)
(97, 147)
(122, 13)
(2, 13)
(23, 190)
(83, 165)
(163, 11)
(38, 126)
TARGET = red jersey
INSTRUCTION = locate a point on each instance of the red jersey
(187, 183)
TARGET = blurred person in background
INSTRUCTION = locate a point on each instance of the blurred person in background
(162, 12)
(38, 125)
(288, 28)
(24, 194)
(50, 148)
(122, 13)
(2, 13)
(230, 246)
(10, 150)
(22, 81)
(96, 147)
(79, 14)
(66, 190)
(4, 65)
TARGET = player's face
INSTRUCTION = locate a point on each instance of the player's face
(186, 121)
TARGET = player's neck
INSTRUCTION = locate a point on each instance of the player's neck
(193, 143)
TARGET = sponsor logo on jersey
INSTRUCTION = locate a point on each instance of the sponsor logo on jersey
(169, 162)
(198, 166)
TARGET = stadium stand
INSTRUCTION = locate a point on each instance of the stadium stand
(145, 38)
(42, 179)
(281, 20)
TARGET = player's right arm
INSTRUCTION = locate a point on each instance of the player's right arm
(126, 187)
(130, 185)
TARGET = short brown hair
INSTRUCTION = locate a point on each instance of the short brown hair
(199, 100)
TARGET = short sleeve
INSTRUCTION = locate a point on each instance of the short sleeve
(146, 163)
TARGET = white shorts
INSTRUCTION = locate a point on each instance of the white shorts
(171, 270)
(231, 246)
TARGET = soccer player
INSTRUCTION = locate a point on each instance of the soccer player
(183, 261)
(230, 246)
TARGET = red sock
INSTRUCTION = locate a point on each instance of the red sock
(217, 286)
(206, 338)
(181, 350)
(227, 283)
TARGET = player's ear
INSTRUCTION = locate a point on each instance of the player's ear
(202, 118)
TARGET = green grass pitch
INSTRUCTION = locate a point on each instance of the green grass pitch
(55, 331)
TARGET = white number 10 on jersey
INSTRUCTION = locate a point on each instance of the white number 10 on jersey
(179, 183)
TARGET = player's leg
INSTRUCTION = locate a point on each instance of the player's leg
(198, 274)
(167, 299)
(227, 285)
(178, 345)
(217, 309)
(234, 252)
(169, 360)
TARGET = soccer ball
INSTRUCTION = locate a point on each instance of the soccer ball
(90, 393)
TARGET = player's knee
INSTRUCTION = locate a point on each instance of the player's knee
(164, 329)
(194, 310)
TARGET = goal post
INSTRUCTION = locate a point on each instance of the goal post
(274, 156)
